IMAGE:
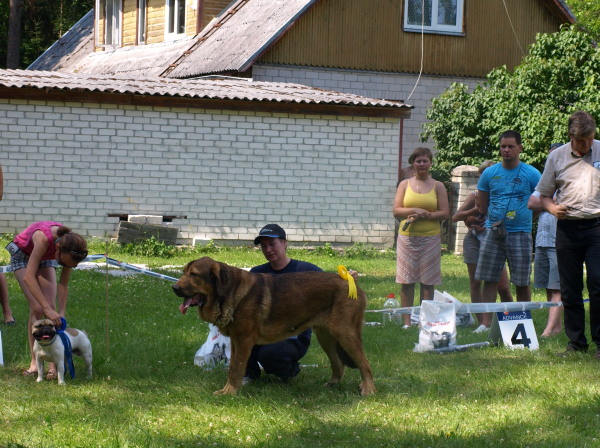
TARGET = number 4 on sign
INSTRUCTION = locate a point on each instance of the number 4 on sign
(515, 329)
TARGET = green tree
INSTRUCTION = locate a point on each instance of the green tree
(42, 24)
(561, 74)
(587, 13)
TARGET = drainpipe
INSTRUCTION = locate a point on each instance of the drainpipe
(400, 149)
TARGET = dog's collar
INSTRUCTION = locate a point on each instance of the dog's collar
(49, 343)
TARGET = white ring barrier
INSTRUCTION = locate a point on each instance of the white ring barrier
(501, 307)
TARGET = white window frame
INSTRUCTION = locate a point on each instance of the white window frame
(112, 25)
(171, 16)
(436, 27)
(142, 22)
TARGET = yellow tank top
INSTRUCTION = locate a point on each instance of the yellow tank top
(426, 201)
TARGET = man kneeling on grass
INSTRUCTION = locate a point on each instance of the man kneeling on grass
(281, 358)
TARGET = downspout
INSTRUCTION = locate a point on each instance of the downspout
(400, 153)
(400, 150)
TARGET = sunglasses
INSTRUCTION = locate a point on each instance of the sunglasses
(74, 255)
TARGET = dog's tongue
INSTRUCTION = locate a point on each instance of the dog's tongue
(46, 336)
(184, 306)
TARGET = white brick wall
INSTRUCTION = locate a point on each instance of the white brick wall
(372, 84)
(323, 178)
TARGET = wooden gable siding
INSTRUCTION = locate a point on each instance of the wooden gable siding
(130, 14)
(157, 17)
(368, 35)
(156, 21)
(211, 9)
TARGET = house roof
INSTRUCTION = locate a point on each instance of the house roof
(74, 45)
(140, 60)
(561, 8)
(204, 93)
(238, 36)
(232, 42)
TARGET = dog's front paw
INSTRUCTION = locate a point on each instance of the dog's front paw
(367, 389)
(227, 390)
(39, 379)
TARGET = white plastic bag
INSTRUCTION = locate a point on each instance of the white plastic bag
(216, 350)
(462, 319)
(438, 325)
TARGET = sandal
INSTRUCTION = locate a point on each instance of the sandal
(9, 323)
(29, 372)
(51, 376)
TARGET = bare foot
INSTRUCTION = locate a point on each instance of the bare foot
(51, 371)
(547, 333)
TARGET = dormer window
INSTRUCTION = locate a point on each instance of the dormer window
(141, 22)
(175, 15)
(108, 23)
(434, 16)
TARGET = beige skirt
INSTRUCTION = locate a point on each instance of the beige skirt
(419, 260)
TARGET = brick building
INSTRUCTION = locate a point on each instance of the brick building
(221, 158)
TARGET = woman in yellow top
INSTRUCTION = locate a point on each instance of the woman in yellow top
(420, 204)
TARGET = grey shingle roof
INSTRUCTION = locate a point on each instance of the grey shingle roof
(74, 45)
(141, 60)
(239, 36)
(217, 89)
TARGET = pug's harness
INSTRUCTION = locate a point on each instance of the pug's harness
(67, 345)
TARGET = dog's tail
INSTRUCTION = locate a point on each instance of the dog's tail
(345, 357)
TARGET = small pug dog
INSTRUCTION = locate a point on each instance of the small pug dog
(48, 346)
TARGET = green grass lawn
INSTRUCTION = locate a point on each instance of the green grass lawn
(146, 391)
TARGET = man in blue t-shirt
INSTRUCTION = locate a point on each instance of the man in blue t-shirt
(503, 192)
(281, 358)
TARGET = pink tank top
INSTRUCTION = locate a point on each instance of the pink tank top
(25, 243)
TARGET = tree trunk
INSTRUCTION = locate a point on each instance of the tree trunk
(14, 33)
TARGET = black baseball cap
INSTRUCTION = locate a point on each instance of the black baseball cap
(272, 231)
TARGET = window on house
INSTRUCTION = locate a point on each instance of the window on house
(434, 16)
(175, 17)
(110, 13)
(141, 34)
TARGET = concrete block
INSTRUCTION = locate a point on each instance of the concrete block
(146, 219)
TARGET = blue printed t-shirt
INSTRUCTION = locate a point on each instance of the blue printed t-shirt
(509, 192)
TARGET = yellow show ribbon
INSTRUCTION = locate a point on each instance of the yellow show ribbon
(351, 285)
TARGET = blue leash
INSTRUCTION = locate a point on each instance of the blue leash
(67, 344)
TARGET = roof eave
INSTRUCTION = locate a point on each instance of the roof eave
(563, 10)
(85, 96)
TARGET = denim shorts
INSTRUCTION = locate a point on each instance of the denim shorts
(20, 259)
(471, 246)
(545, 268)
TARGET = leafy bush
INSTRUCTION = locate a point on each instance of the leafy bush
(327, 250)
(362, 250)
(150, 248)
(560, 75)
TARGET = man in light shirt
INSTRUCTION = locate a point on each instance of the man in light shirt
(572, 176)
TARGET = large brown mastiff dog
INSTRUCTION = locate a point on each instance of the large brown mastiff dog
(262, 309)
